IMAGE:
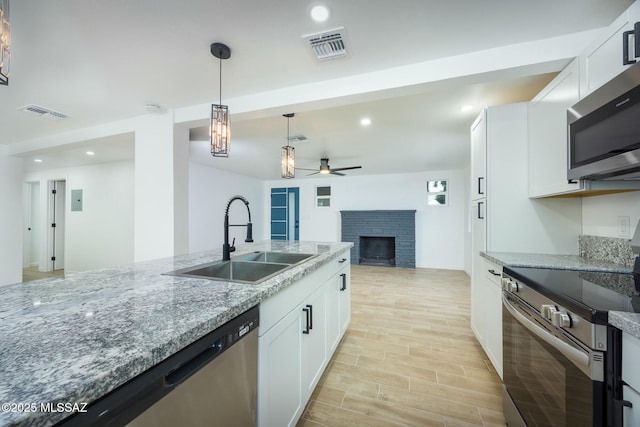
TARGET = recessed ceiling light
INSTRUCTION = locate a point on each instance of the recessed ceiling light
(90, 153)
(365, 121)
(37, 160)
(466, 108)
(319, 13)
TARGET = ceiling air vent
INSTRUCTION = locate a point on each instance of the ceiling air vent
(295, 139)
(328, 44)
(43, 112)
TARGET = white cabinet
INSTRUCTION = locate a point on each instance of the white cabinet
(479, 157)
(493, 314)
(280, 401)
(548, 135)
(478, 236)
(300, 328)
(338, 305)
(603, 59)
(631, 376)
(507, 219)
(314, 339)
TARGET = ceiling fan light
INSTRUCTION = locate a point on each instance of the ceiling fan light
(288, 162)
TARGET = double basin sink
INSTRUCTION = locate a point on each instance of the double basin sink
(253, 267)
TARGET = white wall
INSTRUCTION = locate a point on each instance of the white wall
(440, 231)
(209, 192)
(10, 219)
(101, 235)
(600, 214)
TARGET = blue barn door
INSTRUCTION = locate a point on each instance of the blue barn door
(285, 215)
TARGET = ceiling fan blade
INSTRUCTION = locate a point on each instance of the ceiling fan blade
(345, 169)
(333, 172)
(305, 169)
(312, 173)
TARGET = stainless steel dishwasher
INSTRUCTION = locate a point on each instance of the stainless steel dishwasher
(212, 382)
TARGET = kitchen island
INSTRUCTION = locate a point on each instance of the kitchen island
(72, 340)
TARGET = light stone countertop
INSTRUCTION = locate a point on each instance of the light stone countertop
(562, 262)
(74, 339)
(627, 322)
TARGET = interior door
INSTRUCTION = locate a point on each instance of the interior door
(285, 215)
(57, 223)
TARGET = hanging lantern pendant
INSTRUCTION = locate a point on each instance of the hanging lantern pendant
(288, 156)
(219, 128)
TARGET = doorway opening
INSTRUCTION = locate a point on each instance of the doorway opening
(285, 213)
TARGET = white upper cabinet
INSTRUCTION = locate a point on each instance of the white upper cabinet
(479, 158)
(548, 135)
(603, 59)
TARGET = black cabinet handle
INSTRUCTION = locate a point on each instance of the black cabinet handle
(307, 328)
(492, 271)
(480, 178)
(480, 210)
(310, 307)
(344, 281)
(342, 260)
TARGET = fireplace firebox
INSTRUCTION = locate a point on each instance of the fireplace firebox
(378, 250)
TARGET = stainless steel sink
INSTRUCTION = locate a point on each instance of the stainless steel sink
(235, 271)
(251, 268)
(276, 257)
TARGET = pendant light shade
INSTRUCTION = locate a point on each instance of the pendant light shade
(219, 129)
(5, 42)
(288, 156)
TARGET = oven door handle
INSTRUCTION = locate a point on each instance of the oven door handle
(577, 357)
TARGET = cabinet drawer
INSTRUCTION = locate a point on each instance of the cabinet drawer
(493, 272)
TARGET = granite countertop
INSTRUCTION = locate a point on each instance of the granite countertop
(627, 322)
(74, 339)
(562, 262)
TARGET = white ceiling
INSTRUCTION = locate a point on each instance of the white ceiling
(100, 62)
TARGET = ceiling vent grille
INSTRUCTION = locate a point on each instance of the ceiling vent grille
(43, 112)
(328, 44)
(295, 139)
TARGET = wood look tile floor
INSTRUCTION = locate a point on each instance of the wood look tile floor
(32, 273)
(409, 357)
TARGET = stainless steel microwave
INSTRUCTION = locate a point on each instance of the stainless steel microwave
(604, 131)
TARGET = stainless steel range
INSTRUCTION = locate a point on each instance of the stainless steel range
(561, 358)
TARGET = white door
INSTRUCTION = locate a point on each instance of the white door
(31, 232)
(56, 224)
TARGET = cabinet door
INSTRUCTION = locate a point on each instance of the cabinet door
(333, 313)
(280, 401)
(478, 239)
(493, 324)
(344, 281)
(602, 60)
(314, 340)
(479, 157)
(631, 414)
(548, 135)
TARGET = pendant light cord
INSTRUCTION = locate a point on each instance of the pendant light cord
(220, 80)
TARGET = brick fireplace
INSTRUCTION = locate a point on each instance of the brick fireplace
(381, 237)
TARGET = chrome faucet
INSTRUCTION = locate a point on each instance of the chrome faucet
(226, 247)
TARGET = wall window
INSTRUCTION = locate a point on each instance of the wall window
(323, 197)
(437, 193)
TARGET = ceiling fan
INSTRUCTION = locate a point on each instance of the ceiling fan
(325, 169)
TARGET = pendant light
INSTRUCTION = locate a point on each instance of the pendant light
(288, 160)
(5, 42)
(220, 130)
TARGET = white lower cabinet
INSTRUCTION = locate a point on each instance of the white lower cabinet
(300, 328)
(493, 315)
(631, 378)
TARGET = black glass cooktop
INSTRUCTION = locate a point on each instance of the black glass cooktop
(583, 290)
